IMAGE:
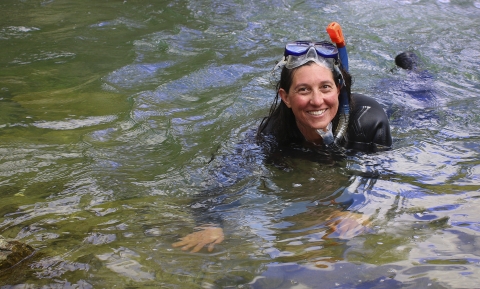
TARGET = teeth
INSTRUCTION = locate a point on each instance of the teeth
(317, 112)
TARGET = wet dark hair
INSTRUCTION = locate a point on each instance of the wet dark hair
(280, 123)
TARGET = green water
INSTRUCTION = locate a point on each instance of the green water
(119, 120)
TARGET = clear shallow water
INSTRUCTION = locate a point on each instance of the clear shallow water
(118, 118)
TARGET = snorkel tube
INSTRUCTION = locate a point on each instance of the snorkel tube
(335, 32)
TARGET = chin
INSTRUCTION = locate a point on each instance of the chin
(322, 126)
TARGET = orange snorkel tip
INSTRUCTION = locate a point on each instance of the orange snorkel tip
(335, 32)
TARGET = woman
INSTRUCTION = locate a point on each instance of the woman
(315, 93)
(315, 97)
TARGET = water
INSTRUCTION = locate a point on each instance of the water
(118, 119)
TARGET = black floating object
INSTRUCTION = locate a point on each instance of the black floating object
(407, 60)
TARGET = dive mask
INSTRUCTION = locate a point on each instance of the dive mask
(300, 52)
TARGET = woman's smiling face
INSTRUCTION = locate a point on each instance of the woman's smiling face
(313, 98)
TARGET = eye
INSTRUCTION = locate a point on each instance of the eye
(326, 87)
(303, 90)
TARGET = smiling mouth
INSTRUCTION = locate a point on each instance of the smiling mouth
(317, 112)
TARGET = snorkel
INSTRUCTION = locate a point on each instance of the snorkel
(335, 32)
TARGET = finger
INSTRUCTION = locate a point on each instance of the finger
(179, 243)
(198, 247)
(188, 246)
(210, 247)
(219, 240)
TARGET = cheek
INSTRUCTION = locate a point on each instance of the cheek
(298, 101)
(332, 100)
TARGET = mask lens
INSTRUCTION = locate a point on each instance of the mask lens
(326, 50)
(323, 49)
(296, 48)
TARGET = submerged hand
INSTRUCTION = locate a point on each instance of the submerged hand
(197, 240)
(347, 224)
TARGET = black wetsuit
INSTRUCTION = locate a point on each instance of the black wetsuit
(368, 127)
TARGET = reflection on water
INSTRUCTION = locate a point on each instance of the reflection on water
(123, 126)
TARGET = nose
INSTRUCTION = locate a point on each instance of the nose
(316, 97)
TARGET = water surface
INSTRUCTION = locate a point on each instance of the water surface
(121, 120)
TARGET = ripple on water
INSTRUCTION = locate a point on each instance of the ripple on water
(99, 238)
(132, 24)
(407, 2)
(125, 262)
(54, 267)
(16, 32)
(433, 163)
(181, 44)
(185, 93)
(58, 56)
(135, 75)
(75, 123)
(212, 77)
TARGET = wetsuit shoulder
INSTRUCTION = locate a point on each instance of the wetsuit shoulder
(368, 129)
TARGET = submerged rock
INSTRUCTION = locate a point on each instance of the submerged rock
(12, 252)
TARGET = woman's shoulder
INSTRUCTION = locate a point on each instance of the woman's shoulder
(361, 100)
(369, 129)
